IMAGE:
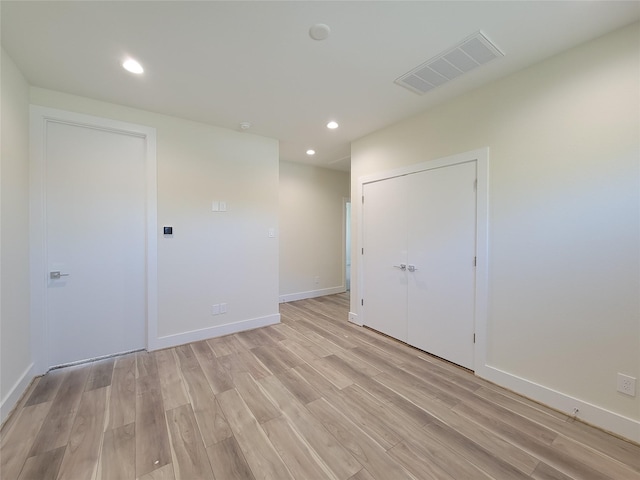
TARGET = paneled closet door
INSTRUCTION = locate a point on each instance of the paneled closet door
(441, 242)
(385, 218)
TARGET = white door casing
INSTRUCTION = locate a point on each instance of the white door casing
(94, 219)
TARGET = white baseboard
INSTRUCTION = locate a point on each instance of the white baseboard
(292, 297)
(11, 399)
(587, 412)
(353, 318)
(217, 331)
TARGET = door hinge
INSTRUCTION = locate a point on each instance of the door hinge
(475, 261)
(362, 253)
(362, 302)
(475, 184)
(363, 199)
(474, 338)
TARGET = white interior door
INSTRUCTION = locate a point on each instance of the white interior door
(385, 251)
(95, 224)
(442, 245)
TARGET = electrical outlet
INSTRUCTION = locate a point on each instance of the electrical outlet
(215, 309)
(316, 280)
(626, 384)
(223, 308)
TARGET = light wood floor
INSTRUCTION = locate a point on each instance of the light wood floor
(312, 398)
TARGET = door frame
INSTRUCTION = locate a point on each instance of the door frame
(40, 118)
(481, 157)
(346, 246)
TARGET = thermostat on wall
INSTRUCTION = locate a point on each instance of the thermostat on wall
(168, 230)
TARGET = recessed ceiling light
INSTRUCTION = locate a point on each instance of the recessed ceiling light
(311, 152)
(332, 125)
(132, 66)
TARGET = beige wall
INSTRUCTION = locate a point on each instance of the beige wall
(564, 277)
(213, 257)
(312, 259)
(15, 334)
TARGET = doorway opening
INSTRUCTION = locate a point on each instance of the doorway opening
(347, 244)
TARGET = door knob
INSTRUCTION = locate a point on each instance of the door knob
(411, 268)
(402, 266)
(57, 275)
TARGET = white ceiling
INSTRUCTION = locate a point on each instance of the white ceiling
(226, 62)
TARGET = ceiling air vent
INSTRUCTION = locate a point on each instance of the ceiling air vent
(472, 52)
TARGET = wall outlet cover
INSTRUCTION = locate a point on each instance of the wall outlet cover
(626, 384)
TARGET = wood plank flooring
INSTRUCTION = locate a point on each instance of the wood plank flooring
(314, 397)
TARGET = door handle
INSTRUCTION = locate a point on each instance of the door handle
(412, 268)
(57, 275)
(402, 266)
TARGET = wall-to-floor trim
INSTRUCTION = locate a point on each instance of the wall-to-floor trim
(169, 341)
(12, 398)
(587, 412)
(292, 297)
(353, 318)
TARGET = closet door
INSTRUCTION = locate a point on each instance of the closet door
(441, 245)
(385, 250)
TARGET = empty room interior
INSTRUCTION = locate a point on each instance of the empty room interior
(320, 240)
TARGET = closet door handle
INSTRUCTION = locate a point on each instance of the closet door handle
(402, 266)
(412, 268)
(57, 275)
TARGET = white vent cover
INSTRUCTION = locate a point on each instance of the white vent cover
(472, 52)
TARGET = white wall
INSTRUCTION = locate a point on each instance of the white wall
(15, 335)
(212, 257)
(564, 233)
(311, 231)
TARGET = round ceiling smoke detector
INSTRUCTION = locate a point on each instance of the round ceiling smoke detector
(245, 125)
(319, 31)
